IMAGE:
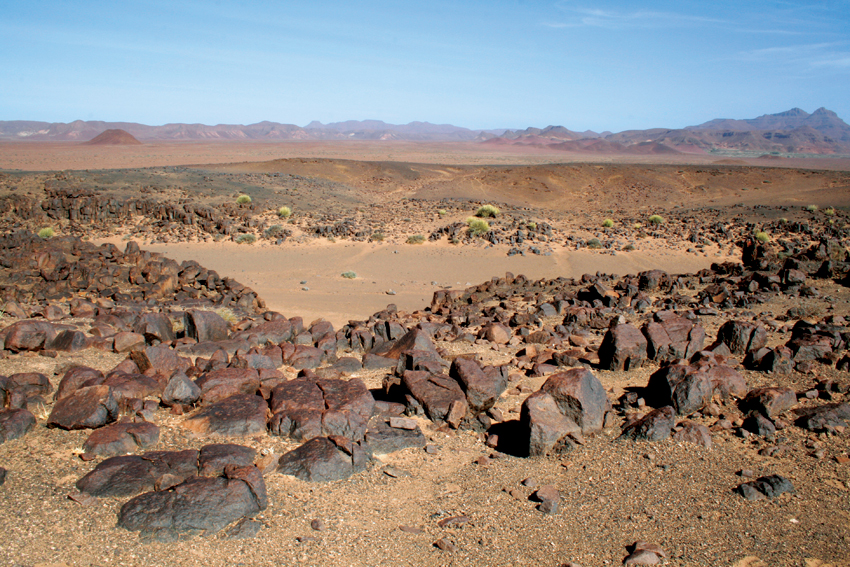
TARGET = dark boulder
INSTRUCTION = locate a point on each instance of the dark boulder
(87, 408)
(205, 326)
(15, 423)
(657, 425)
(121, 438)
(622, 348)
(237, 416)
(324, 459)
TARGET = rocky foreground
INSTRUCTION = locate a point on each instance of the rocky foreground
(181, 404)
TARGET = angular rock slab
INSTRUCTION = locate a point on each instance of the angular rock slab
(236, 416)
(654, 426)
(771, 401)
(580, 397)
(87, 408)
(623, 348)
(15, 423)
(765, 487)
(205, 326)
(482, 390)
(383, 439)
(121, 438)
(825, 418)
(324, 459)
(435, 392)
(208, 504)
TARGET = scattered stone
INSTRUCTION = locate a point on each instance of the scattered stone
(86, 408)
(323, 459)
(549, 499)
(765, 487)
(622, 348)
(446, 544)
(15, 423)
(237, 416)
(121, 438)
(657, 425)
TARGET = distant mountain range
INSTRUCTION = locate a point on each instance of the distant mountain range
(793, 131)
(80, 131)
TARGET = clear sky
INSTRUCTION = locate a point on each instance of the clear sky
(584, 64)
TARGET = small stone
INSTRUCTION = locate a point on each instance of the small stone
(403, 423)
(318, 525)
(642, 557)
(445, 545)
(453, 521)
(431, 449)
(82, 498)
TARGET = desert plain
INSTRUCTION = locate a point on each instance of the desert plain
(539, 294)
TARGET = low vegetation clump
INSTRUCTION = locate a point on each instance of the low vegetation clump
(377, 237)
(594, 244)
(812, 208)
(477, 226)
(349, 275)
(46, 233)
(637, 225)
(628, 247)
(227, 314)
(284, 212)
(783, 220)
(531, 225)
(762, 236)
(415, 239)
(274, 231)
(442, 212)
(246, 239)
(487, 211)
(829, 212)
(607, 223)
(243, 200)
(656, 219)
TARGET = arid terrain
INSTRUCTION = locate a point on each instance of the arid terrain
(627, 341)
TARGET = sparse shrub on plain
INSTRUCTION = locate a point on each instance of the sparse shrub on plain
(477, 226)
(243, 200)
(284, 212)
(829, 212)
(46, 233)
(594, 244)
(349, 275)
(607, 223)
(274, 231)
(762, 236)
(628, 247)
(783, 220)
(246, 239)
(812, 208)
(531, 225)
(656, 219)
(442, 212)
(487, 211)
(415, 239)
(377, 237)
(637, 225)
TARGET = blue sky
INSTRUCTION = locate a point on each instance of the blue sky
(586, 64)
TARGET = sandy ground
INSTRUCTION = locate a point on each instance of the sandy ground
(52, 156)
(413, 272)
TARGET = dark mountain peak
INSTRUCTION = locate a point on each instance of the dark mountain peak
(791, 113)
(824, 112)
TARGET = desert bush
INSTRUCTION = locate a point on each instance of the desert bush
(243, 200)
(284, 212)
(783, 220)
(829, 212)
(637, 225)
(274, 231)
(594, 243)
(762, 236)
(46, 233)
(812, 208)
(531, 225)
(377, 237)
(477, 226)
(442, 212)
(656, 219)
(629, 247)
(607, 223)
(487, 211)
(246, 239)
(227, 314)
(349, 275)
(415, 239)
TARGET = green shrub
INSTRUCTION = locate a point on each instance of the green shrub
(594, 244)
(531, 225)
(607, 223)
(442, 212)
(656, 219)
(46, 233)
(829, 212)
(284, 212)
(783, 220)
(487, 211)
(243, 200)
(246, 239)
(477, 226)
(349, 275)
(377, 237)
(415, 239)
(637, 225)
(629, 247)
(274, 231)
(812, 208)
(762, 236)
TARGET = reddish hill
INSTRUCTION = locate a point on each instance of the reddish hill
(113, 138)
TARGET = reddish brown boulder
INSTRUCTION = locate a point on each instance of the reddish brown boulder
(770, 401)
(128, 341)
(28, 335)
(15, 423)
(236, 416)
(77, 377)
(87, 408)
(205, 326)
(225, 382)
(622, 348)
(121, 438)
